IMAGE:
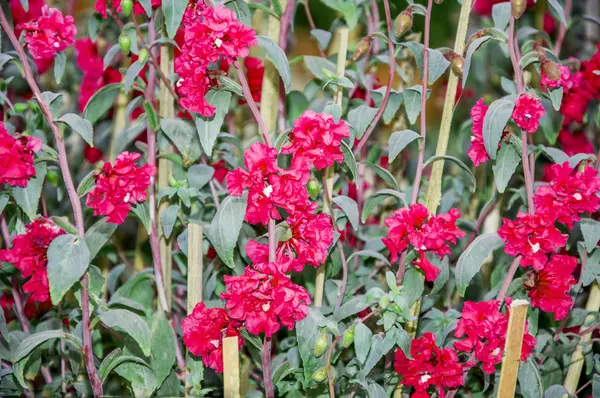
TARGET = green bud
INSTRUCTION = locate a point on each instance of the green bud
(313, 188)
(126, 6)
(321, 345)
(173, 182)
(396, 308)
(125, 44)
(320, 375)
(143, 56)
(21, 106)
(52, 177)
(349, 337)
(384, 301)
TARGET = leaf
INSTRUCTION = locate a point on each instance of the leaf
(404, 342)
(68, 259)
(377, 198)
(25, 5)
(279, 59)
(147, 6)
(509, 86)
(413, 285)
(173, 11)
(54, 101)
(101, 102)
(412, 102)
(209, 128)
(468, 59)
(470, 261)
(81, 126)
(317, 64)
(3, 202)
(360, 118)
(225, 227)
(98, 235)
(60, 60)
(444, 274)
(505, 166)
(163, 347)
(559, 12)
(353, 306)
(348, 8)
(114, 359)
(501, 15)
(28, 197)
(3, 329)
(199, 175)
(242, 11)
(590, 229)
(168, 219)
(398, 141)
(142, 379)
(27, 345)
(350, 209)
(530, 380)
(230, 85)
(307, 331)
(132, 73)
(383, 174)
(437, 65)
(380, 346)
(184, 136)
(129, 323)
(555, 154)
(556, 391)
(323, 37)
(494, 122)
(350, 160)
(394, 102)
(370, 253)
(362, 341)
(110, 55)
(460, 164)
(142, 211)
(417, 50)
(556, 96)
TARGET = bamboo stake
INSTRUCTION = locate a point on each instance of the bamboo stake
(270, 89)
(577, 359)
(195, 265)
(231, 367)
(512, 348)
(329, 172)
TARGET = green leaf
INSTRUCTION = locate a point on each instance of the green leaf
(438, 65)
(230, 85)
(556, 96)
(3, 329)
(98, 235)
(380, 346)
(501, 15)
(383, 174)
(404, 341)
(444, 274)
(590, 229)
(27, 345)
(558, 11)
(505, 166)
(142, 379)
(323, 37)
(307, 331)
(417, 50)
(163, 347)
(555, 154)
(530, 380)
(369, 253)
(350, 209)
(225, 227)
(68, 259)
(101, 102)
(129, 323)
(494, 122)
(183, 134)
(25, 5)
(199, 175)
(110, 55)
(3, 202)
(278, 58)
(348, 8)
(468, 59)
(412, 102)
(28, 197)
(360, 118)
(173, 11)
(351, 307)
(147, 6)
(209, 128)
(394, 102)
(317, 64)
(114, 359)
(81, 126)
(168, 219)
(242, 11)
(142, 211)
(54, 101)
(60, 60)
(460, 164)
(362, 341)
(376, 199)
(596, 386)
(399, 140)
(470, 261)
(556, 391)
(350, 160)
(132, 73)
(413, 285)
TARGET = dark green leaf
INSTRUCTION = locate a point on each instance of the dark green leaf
(530, 380)
(470, 261)
(399, 140)
(173, 11)
(369, 253)
(28, 197)
(556, 96)
(590, 229)
(60, 60)
(438, 65)
(469, 58)
(129, 323)
(349, 207)
(412, 102)
(558, 11)
(114, 359)
(362, 341)
(317, 64)
(27, 345)
(459, 163)
(360, 118)
(183, 134)
(98, 235)
(348, 8)
(168, 219)
(101, 102)
(413, 285)
(350, 160)
(209, 128)
(132, 73)
(225, 227)
(199, 175)
(505, 165)
(142, 379)
(494, 122)
(279, 59)
(142, 211)
(377, 198)
(81, 126)
(68, 259)
(163, 346)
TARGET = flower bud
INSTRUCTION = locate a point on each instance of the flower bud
(313, 188)
(125, 43)
(349, 336)
(126, 7)
(439, 1)
(551, 70)
(403, 22)
(396, 308)
(320, 375)
(458, 65)
(518, 8)
(21, 106)
(143, 56)
(362, 48)
(52, 177)
(384, 301)
(321, 345)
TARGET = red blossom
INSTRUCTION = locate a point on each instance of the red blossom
(31, 310)
(574, 143)
(92, 154)
(265, 299)
(425, 233)
(49, 34)
(255, 72)
(531, 236)
(120, 186)
(16, 158)
(484, 328)
(484, 7)
(316, 139)
(590, 70)
(28, 254)
(203, 333)
(527, 113)
(569, 194)
(549, 287)
(477, 152)
(431, 366)
(552, 84)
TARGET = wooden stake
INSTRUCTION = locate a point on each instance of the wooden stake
(512, 348)
(231, 367)
(577, 359)
(330, 171)
(195, 265)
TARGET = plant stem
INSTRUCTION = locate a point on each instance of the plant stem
(266, 364)
(391, 74)
(95, 381)
(340, 298)
(252, 103)
(311, 24)
(508, 279)
(562, 30)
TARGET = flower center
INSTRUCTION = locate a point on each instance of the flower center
(266, 307)
(535, 248)
(218, 42)
(268, 191)
(425, 378)
(577, 196)
(496, 352)
(127, 197)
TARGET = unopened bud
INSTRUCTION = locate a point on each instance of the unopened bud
(126, 7)
(518, 8)
(362, 48)
(551, 70)
(349, 336)
(143, 56)
(313, 188)
(439, 1)
(321, 345)
(458, 65)
(125, 43)
(403, 22)
(21, 106)
(320, 375)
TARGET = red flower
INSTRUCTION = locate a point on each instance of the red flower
(20, 16)
(484, 7)
(527, 113)
(531, 236)
(100, 6)
(549, 287)
(265, 299)
(32, 308)
(28, 254)
(92, 154)
(576, 98)
(425, 233)
(552, 84)
(431, 366)
(16, 158)
(569, 194)
(255, 72)
(221, 170)
(477, 152)
(574, 143)
(484, 328)
(590, 76)
(203, 333)
(49, 34)
(120, 186)
(316, 139)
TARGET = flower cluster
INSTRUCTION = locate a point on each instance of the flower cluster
(203, 333)
(211, 35)
(119, 186)
(28, 254)
(426, 233)
(101, 5)
(477, 152)
(16, 158)
(49, 34)
(528, 112)
(484, 328)
(430, 366)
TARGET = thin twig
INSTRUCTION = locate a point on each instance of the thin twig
(252, 103)
(562, 30)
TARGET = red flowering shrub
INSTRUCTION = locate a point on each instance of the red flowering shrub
(49, 34)
(16, 158)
